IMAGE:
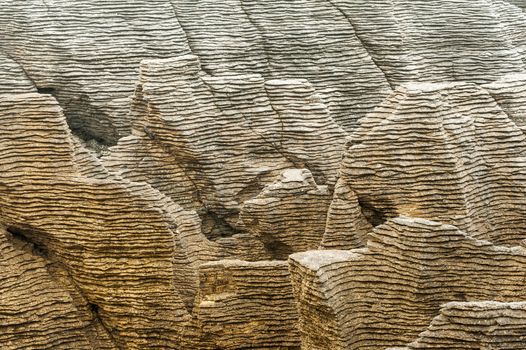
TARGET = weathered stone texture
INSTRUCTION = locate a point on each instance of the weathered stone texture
(475, 325)
(337, 174)
(388, 292)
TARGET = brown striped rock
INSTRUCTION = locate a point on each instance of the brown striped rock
(389, 292)
(289, 215)
(475, 325)
(131, 252)
(39, 309)
(110, 236)
(246, 305)
(510, 94)
(445, 152)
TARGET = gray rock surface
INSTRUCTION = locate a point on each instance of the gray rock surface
(315, 174)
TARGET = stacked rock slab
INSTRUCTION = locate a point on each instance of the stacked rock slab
(433, 41)
(289, 215)
(346, 226)
(475, 325)
(13, 79)
(510, 94)
(230, 159)
(111, 236)
(89, 61)
(445, 152)
(223, 139)
(519, 3)
(36, 310)
(129, 249)
(388, 293)
(246, 305)
(280, 39)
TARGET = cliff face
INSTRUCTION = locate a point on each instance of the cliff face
(248, 174)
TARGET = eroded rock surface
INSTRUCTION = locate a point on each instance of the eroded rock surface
(311, 174)
(388, 293)
(475, 325)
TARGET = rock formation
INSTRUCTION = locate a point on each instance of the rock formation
(388, 293)
(250, 174)
(475, 325)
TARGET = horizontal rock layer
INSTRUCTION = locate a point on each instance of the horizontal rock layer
(388, 293)
(161, 160)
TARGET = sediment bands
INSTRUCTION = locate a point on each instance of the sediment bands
(307, 174)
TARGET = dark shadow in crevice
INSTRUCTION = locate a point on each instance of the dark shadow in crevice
(46, 90)
(278, 250)
(216, 227)
(25, 239)
(372, 214)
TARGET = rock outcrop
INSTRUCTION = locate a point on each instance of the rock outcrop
(387, 293)
(338, 174)
(445, 152)
(475, 325)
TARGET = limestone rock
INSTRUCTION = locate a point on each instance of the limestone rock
(510, 94)
(222, 139)
(111, 237)
(387, 293)
(89, 62)
(36, 310)
(246, 306)
(434, 41)
(446, 152)
(289, 215)
(347, 225)
(475, 325)
(161, 160)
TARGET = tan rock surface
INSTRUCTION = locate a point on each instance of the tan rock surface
(387, 293)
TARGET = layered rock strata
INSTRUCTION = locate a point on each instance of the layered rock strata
(446, 152)
(387, 293)
(475, 325)
(228, 121)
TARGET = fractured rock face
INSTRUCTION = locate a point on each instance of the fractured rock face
(434, 41)
(387, 293)
(280, 39)
(475, 325)
(222, 139)
(443, 152)
(510, 94)
(89, 62)
(100, 230)
(289, 215)
(161, 160)
(246, 306)
(36, 311)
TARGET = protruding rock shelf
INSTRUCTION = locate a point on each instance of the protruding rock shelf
(280, 175)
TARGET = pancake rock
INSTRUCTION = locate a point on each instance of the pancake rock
(244, 305)
(111, 236)
(282, 39)
(211, 143)
(434, 41)
(475, 325)
(510, 94)
(446, 152)
(289, 215)
(130, 250)
(38, 308)
(387, 293)
(347, 225)
(339, 174)
(89, 61)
